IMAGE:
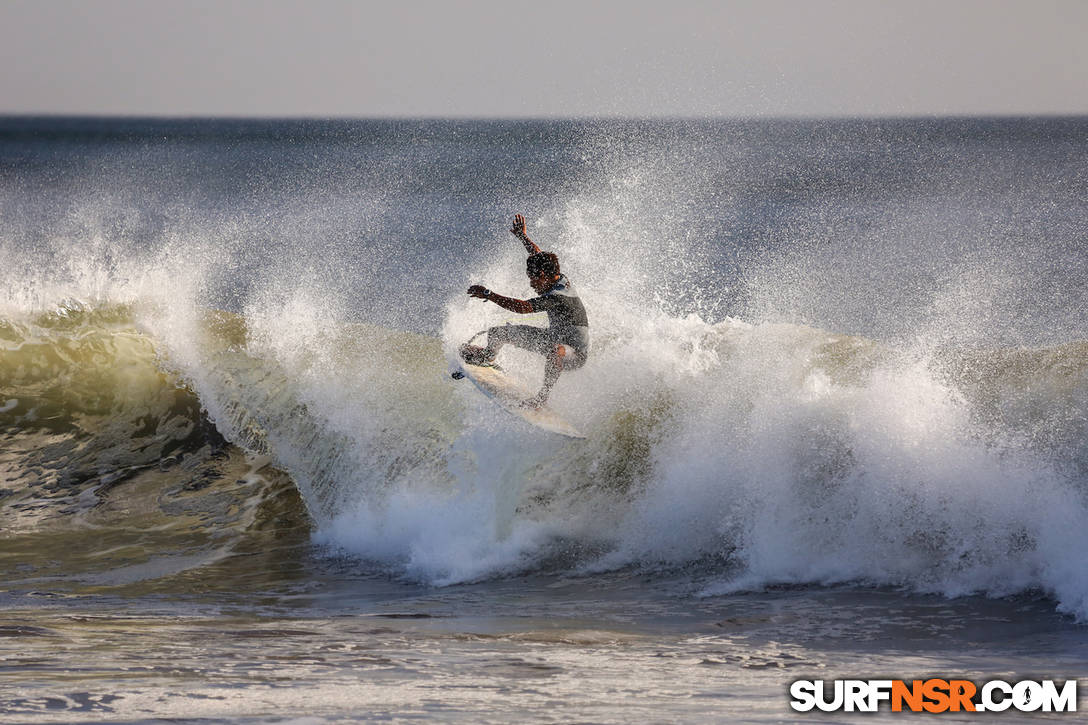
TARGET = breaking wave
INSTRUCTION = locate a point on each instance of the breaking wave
(762, 454)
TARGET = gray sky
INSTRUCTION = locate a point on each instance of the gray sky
(508, 58)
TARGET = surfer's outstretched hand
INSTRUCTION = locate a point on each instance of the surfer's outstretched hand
(479, 291)
(518, 227)
(518, 230)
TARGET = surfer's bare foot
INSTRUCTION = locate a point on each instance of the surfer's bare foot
(534, 403)
(474, 355)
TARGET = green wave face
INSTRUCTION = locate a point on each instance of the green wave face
(86, 399)
(114, 477)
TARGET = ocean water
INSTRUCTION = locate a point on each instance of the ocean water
(836, 414)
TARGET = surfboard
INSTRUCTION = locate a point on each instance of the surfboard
(509, 394)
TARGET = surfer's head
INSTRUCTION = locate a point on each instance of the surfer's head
(542, 269)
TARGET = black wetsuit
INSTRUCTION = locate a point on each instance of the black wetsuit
(567, 325)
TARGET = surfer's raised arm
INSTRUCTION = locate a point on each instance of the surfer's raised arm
(522, 307)
(518, 230)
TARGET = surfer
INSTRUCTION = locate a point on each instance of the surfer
(564, 343)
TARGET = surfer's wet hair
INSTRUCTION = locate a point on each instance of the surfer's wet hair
(545, 262)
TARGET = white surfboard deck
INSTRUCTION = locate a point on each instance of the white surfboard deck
(509, 394)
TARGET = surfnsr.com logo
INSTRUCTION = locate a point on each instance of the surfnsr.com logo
(933, 695)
